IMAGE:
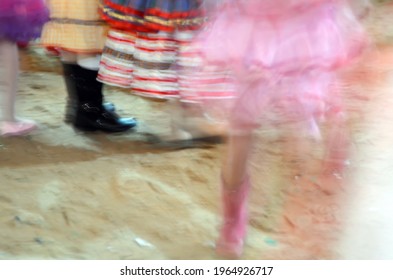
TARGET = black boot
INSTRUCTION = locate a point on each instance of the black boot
(90, 112)
(90, 117)
(72, 97)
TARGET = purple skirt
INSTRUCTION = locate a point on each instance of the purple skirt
(22, 20)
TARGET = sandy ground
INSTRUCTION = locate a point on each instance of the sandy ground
(69, 195)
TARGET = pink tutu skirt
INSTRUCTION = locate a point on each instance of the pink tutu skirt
(281, 56)
(322, 35)
(22, 20)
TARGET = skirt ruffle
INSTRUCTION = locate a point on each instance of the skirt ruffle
(324, 36)
(143, 62)
(282, 62)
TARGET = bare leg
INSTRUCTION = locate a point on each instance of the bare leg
(337, 145)
(236, 162)
(68, 57)
(337, 151)
(9, 61)
(188, 121)
(8, 79)
(235, 186)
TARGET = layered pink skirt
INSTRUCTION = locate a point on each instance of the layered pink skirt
(286, 58)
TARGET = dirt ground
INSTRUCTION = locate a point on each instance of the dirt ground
(70, 195)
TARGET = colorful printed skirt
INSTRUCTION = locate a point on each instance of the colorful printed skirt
(153, 15)
(22, 20)
(75, 26)
(143, 48)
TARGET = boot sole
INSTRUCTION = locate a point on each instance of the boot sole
(96, 129)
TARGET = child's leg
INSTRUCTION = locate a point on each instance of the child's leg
(235, 186)
(69, 61)
(9, 124)
(235, 179)
(8, 79)
(236, 162)
(337, 143)
(336, 152)
(188, 121)
(68, 57)
(85, 108)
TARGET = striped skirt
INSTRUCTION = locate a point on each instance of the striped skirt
(143, 62)
(161, 65)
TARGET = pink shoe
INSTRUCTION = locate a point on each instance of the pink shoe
(233, 229)
(16, 128)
